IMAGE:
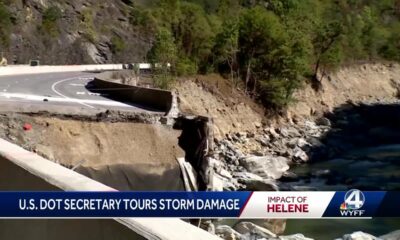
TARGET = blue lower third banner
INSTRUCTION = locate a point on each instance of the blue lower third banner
(250, 205)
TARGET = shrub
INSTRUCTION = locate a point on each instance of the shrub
(87, 24)
(5, 24)
(117, 44)
(163, 56)
(185, 67)
(163, 81)
(49, 21)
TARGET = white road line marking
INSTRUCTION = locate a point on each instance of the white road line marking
(62, 100)
(80, 93)
(77, 84)
(53, 87)
(86, 78)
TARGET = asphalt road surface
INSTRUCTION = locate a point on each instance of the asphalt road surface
(60, 89)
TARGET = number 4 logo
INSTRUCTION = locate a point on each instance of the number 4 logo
(354, 199)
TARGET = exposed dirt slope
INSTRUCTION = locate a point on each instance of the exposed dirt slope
(234, 112)
(94, 144)
(123, 155)
(360, 83)
(214, 97)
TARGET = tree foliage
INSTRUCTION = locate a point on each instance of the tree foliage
(272, 46)
(226, 48)
(163, 55)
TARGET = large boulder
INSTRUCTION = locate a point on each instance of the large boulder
(227, 233)
(299, 155)
(266, 166)
(294, 237)
(359, 236)
(391, 236)
(251, 231)
(323, 122)
(260, 185)
(246, 176)
(253, 182)
(276, 226)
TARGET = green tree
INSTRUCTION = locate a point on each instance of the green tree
(326, 48)
(374, 36)
(143, 19)
(194, 34)
(260, 33)
(261, 42)
(391, 50)
(163, 56)
(167, 13)
(274, 57)
(228, 9)
(226, 48)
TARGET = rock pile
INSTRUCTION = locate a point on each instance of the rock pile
(260, 161)
(254, 161)
(251, 231)
(366, 236)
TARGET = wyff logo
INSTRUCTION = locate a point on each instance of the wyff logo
(353, 202)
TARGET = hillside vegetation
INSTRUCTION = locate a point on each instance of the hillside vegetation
(270, 47)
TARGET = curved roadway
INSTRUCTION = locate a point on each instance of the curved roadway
(61, 89)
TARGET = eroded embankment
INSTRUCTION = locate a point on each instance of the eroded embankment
(254, 152)
(127, 153)
(233, 111)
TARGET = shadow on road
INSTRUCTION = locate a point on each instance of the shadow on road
(113, 95)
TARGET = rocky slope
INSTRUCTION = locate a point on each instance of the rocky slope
(234, 112)
(254, 152)
(77, 32)
(249, 231)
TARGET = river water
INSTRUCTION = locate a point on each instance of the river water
(320, 229)
(376, 168)
(369, 139)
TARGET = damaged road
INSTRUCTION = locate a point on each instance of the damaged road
(126, 151)
(121, 150)
(69, 89)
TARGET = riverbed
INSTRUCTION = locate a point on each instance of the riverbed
(365, 143)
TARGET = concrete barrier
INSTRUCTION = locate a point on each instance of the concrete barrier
(154, 98)
(26, 69)
(25, 171)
